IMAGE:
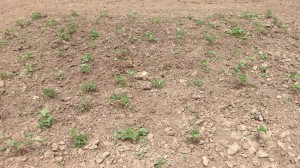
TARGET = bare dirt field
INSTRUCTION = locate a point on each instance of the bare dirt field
(141, 84)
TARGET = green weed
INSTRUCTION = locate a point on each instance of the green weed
(264, 71)
(21, 147)
(130, 134)
(88, 87)
(87, 57)
(242, 78)
(49, 92)
(22, 22)
(194, 135)
(25, 56)
(85, 68)
(79, 139)
(74, 13)
(52, 22)
(84, 106)
(295, 86)
(195, 81)
(121, 81)
(210, 39)
(160, 162)
(239, 33)
(261, 128)
(122, 99)
(248, 16)
(180, 33)
(94, 34)
(63, 35)
(36, 15)
(72, 27)
(5, 75)
(45, 118)
(59, 74)
(158, 83)
(199, 21)
(131, 72)
(150, 37)
(28, 68)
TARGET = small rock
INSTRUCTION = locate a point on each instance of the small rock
(142, 75)
(147, 86)
(1, 83)
(105, 155)
(99, 161)
(93, 144)
(59, 159)
(150, 136)
(233, 149)
(256, 161)
(262, 154)
(205, 160)
(35, 97)
(54, 147)
(284, 134)
(49, 154)
(278, 97)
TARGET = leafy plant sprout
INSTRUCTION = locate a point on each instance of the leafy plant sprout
(130, 134)
(79, 139)
(160, 162)
(239, 33)
(22, 146)
(158, 83)
(94, 34)
(45, 118)
(180, 33)
(196, 82)
(85, 68)
(88, 87)
(121, 99)
(36, 15)
(150, 37)
(121, 81)
(84, 106)
(194, 135)
(87, 57)
(49, 92)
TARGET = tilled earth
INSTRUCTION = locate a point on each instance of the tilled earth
(224, 86)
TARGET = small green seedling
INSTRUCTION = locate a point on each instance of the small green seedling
(120, 99)
(79, 139)
(260, 28)
(264, 71)
(25, 56)
(52, 22)
(74, 13)
(87, 57)
(160, 162)
(199, 21)
(85, 68)
(121, 81)
(239, 33)
(9, 32)
(248, 16)
(63, 35)
(88, 87)
(59, 74)
(295, 86)
(130, 134)
(158, 83)
(180, 33)
(21, 147)
(242, 78)
(5, 75)
(72, 27)
(94, 34)
(22, 23)
(84, 106)
(194, 135)
(196, 82)
(120, 53)
(28, 68)
(150, 37)
(45, 118)
(261, 128)
(131, 72)
(49, 92)
(204, 65)
(36, 15)
(210, 39)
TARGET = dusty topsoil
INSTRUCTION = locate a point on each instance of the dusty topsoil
(230, 70)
